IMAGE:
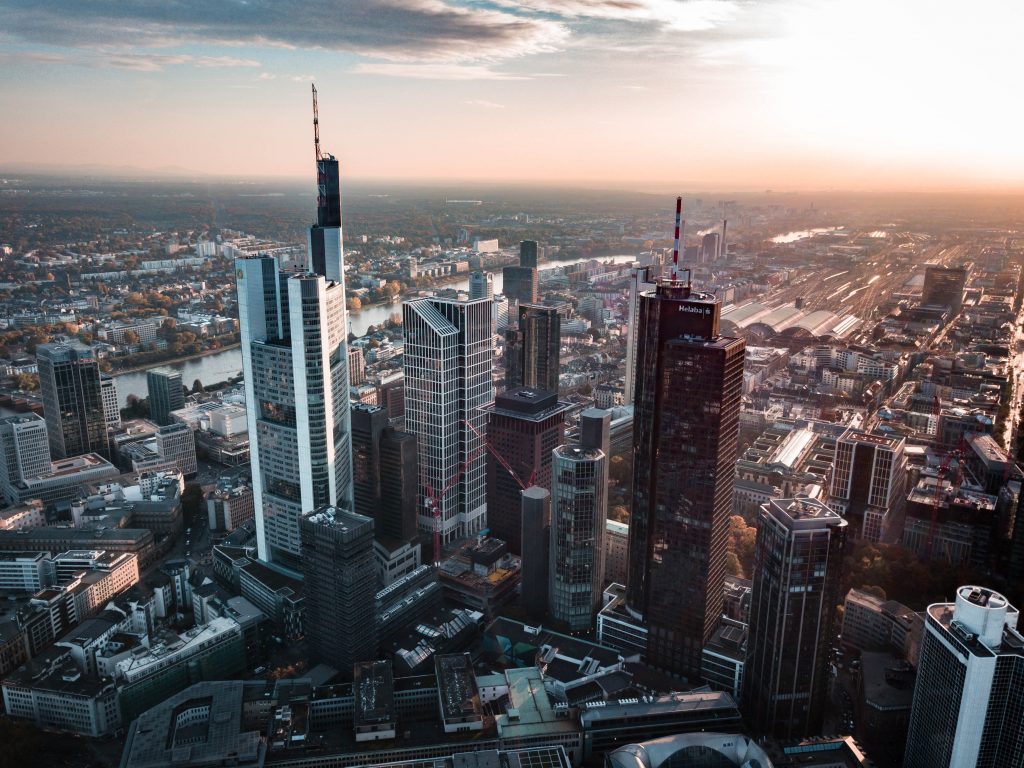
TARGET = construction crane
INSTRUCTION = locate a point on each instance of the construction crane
(433, 500)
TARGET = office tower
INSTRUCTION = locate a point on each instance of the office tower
(391, 395)
(449, 354)
(579, 487)
(356, 366)
(532, 350)
(176, 443)
(536, 514)
(481, 285)
(798, 564)
(523, 426)
(384, 481)
(295, 360)
(519, 283)
(968, 706)
(165, 394)
(111, 407)
(368, 423)
(723, 252)
(528, 254)
(24, 452)
(340, 581)
(944, 286)
(639, 281)
(686, 420)
(69, 378)
(869, 480)
(709, 247)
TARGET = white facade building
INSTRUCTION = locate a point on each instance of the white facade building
(449, 357)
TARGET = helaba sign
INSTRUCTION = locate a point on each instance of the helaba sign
(695, 309)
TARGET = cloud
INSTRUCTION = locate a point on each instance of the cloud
(435, 71)
(485, 104)
(394, 30)
(139, 62)
(680, 15)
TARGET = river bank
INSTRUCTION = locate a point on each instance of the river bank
(171, 361)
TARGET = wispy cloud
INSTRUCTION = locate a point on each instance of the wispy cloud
(140, 62)
(394, 30)
(436, 71)
(485, 104)
(682, 15)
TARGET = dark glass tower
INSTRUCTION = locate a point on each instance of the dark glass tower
(532, 350)
(325, 235)
(523, 425)
(340, 584)
(686, 418)
(797, 572)
(165, 394)
(69, 379)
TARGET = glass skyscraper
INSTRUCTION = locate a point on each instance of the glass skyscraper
(295, 358)
(69, 379)
(686, 420)
(448, 359)
(797, 571)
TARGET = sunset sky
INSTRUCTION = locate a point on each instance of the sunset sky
(644, 94)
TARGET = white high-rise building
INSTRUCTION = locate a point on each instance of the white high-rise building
(639, 281)
(449, 356)
(969, 696)
(295, 359)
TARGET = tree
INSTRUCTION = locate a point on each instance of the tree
(354, 304)
(29, 382)
(741, 542)
(197, 387)
(131, 337)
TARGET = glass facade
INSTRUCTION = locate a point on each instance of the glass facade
(686, 419)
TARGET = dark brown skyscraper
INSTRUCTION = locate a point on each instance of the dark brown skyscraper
(519, 283)
(532, 350)
(687, 402)
(944, 286)
(523, 425)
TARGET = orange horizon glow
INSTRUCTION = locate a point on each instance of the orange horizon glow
(702, 94)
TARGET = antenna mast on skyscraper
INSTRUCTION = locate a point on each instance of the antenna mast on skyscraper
(675, 249)
(316, 126)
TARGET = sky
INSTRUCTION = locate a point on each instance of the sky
(637, 94)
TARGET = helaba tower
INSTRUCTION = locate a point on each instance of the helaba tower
(687, 394)
(295, 359)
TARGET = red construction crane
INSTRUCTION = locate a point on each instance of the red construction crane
(434, 499)
(957, 454)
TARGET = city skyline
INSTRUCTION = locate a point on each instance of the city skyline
(785, 94)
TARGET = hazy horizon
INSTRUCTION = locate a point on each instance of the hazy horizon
(650, 95)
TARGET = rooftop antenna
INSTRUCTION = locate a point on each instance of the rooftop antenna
(316, 126)
(675, 249)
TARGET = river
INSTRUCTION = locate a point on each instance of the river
(223, 365)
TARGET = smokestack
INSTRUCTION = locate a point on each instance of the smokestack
(675, 249)
(723, 253)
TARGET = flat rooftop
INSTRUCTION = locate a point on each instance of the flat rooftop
(374, 687)
(457, 688)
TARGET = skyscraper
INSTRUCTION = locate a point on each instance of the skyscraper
(24, 452)
(686, 419)
(165, 394)
(69, 378)
(523, 426)
(639, 282)
(528, 254)
(969, 697)
(295, 360)
(111, 406)
(449, 355)
(340, 583)
(944, 286)
(532, 350)
(579, 509)
(536, 530)
(384, 488)
(709, 245)
(481, 285)
(869, 480)
(519, 283)
(797, 572)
